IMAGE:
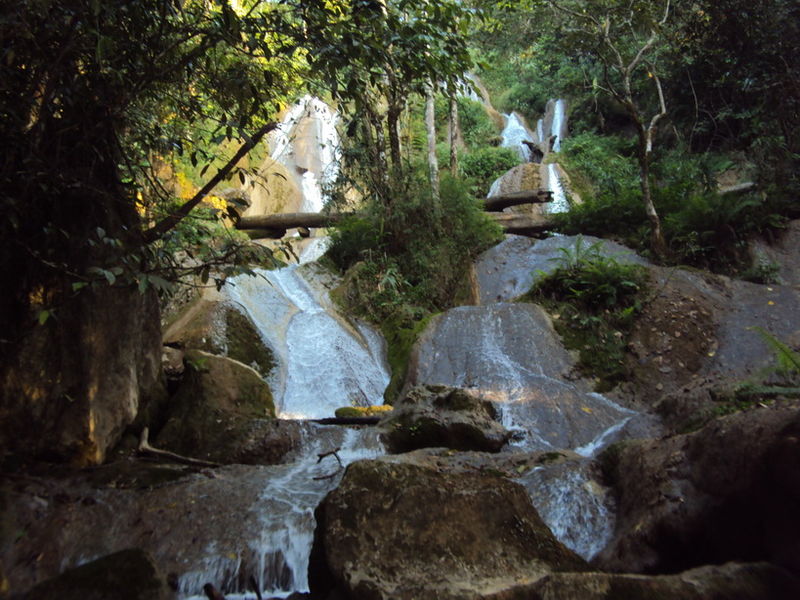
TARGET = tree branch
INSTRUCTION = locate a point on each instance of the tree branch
(167, 223)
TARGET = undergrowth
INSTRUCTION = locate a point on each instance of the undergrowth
(404, 263)
(594, 300)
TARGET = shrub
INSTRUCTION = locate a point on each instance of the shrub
(486, 164)
(594, 300)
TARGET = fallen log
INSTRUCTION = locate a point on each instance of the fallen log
(347, 421)
(522, 224)
(147, 450)
(498, 203)
(290, 221)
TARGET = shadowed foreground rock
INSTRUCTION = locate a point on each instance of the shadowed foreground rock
(729, 491)
(223, 412)
(125, 575)
(732, 581)
(400, 531)
(435, 416)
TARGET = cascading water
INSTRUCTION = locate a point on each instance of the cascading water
(557, 128)
(514, 134)
(282, 518)
(559, 203)
(324, 362)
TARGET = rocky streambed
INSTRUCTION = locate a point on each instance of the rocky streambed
(508, 478)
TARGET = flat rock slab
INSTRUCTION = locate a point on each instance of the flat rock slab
(510, 354)
(509, 269)
(401, 531)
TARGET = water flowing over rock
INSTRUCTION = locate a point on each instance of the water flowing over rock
(400, 531)
(514, 134)
(558, 127)
(574, 504)
(219, 526)
(509, 353)
(304, 159)
(324, 360)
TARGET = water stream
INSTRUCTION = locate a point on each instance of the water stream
(325, 360)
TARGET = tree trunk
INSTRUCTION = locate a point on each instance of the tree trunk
(657, 243)
(430, 128)
(453, 132)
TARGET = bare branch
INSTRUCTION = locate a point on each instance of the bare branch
(176, 217)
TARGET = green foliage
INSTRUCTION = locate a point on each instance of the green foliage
(411, 261)
(484, 165)
(476, 126)
(594, 299)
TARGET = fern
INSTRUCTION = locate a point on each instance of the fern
(788, 360)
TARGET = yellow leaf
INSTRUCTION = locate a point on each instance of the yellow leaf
(586, 409)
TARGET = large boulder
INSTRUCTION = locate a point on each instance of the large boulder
(212, 323)
(223, 411)
(124, 575)
(440, 416)
(729, 491)
(401, 531)
(77, 381)
(732, 581)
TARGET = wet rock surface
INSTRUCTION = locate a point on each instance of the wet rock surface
(223, 412)
(213, 324)
(510, 354)
(125, 575)
(509, 269)
(732, 581)
(402, 531)
(440, 416)
(729, 491)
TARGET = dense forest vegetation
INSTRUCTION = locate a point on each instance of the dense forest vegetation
(121, 119)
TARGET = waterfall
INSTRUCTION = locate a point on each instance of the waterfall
(325, 362)
(557, 128)
(559, 203)
(514, 134)
(277, 551)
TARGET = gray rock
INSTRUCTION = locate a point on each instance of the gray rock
(223, 412)
(509, 269)
(125, 575)
(401, 532)
(729, 491)
(440, 416)
(78, 381)
(511, 355)
(731, 581)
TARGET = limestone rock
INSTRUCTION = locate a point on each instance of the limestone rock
(731, 581)
(212, 324)
(402, 531)
(125, 575)
(510, 268)
(223, 412)
(729, 491)
(521, 178)
(79, 380)
(439, 416)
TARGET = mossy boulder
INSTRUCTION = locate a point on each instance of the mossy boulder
(402, 531)
(432, 416)
(362, 411)
(223, 411)
(125, 575)
(210, 323)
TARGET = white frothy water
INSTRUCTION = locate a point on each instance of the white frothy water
(324, 361)
(514, 133)
(315, 249)
(559, 113)
(574, 506)
(540, 130)
(277, 555)
(559, 203)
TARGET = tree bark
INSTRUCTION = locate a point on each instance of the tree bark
(430, 129)
(453, 131)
